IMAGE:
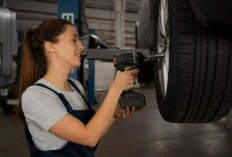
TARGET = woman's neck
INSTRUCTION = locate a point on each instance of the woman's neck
(59, 78)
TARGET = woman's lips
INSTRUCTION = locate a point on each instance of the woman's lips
(79, 55)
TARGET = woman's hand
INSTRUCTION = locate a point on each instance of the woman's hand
(123, 113)
(125, 80)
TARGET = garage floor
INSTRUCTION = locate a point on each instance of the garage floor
(144, 134)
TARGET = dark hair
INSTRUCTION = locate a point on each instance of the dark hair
(34, 63)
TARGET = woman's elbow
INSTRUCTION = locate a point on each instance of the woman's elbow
(92, 142)
(92, 138)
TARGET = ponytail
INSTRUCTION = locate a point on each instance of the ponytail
(34, 63)
(29, 73)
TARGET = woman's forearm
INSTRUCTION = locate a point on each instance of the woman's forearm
(104, 117)
(113, 119)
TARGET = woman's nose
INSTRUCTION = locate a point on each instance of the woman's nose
(80, 46)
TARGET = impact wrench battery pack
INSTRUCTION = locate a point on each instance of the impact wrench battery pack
(125, 62)
(130, 98)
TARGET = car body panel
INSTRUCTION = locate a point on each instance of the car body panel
(144, 29)
(6, 102)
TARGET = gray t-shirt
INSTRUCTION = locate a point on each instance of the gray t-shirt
(42, 109)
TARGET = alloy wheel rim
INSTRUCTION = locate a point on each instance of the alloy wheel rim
(163, 45)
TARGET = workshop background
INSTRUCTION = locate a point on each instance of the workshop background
(144, 134)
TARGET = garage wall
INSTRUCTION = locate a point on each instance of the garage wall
(104, 74)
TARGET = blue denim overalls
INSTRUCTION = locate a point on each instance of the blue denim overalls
(70, 149)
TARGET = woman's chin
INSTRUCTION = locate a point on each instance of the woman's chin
(77, 65)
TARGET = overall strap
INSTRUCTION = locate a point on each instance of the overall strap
(78, 90)
(60, 96)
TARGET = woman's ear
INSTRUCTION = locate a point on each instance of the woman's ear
(50, 47)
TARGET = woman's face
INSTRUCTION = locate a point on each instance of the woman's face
(69, 48)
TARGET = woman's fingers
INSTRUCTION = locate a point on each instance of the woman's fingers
(123, 113)
(134, 71)
(132, 110)
(125, 80)
(127, 111)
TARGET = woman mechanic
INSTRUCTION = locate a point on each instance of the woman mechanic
(58, 120)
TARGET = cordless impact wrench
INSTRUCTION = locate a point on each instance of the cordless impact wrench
(125, 62)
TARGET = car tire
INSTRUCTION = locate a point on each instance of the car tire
(198, 86)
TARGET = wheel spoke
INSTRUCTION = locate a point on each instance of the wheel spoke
(161, 41)
(163, 16)
(164, 77)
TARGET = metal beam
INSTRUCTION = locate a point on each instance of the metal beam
(107, 54)
(111, 41)
(112, 34)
